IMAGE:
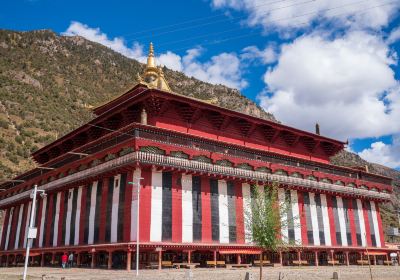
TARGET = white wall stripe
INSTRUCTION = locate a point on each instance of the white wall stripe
(3, 212)
(342, 222)
(68, 219)
(156, 206)
(137, 173)
(314, 219)
(21, 209)
(284, 217)
(28, 215)
(9, 228)
(187, 207)
(114, 209)
(42, 221)
(78, 215)
(223, 212)
(92, 212)
(375, 224)
(362, 222)
(325, 220)
(56, 220)
(296, 216)
(246, 193)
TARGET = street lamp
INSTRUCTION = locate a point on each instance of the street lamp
(137, 221)
(32, 231)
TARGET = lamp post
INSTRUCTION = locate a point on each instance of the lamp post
(137, 183)
(32, 231)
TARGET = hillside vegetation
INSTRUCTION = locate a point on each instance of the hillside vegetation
(48, 83)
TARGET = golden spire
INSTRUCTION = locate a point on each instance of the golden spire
(150, 59)
(153, 76)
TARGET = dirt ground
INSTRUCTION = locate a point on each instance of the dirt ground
(269, 273)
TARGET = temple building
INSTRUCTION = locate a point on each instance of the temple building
(197, 162)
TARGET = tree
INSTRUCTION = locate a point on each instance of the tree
(265, 218)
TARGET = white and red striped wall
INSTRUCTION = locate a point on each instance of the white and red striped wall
(183, 208)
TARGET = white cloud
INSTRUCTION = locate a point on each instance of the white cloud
(116, 44)
(254, 54)
(385, 154)
(224, 68)
(345, 84)
(294, 14)
(394, 36)
(171, 60)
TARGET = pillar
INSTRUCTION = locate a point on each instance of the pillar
(347, 258)
(215, 258)
(159, 259)
(332, 257)
(398, 257)
(316, 258)
(361, 258)
(239, 260)
(280, 258)
(299, 257)
(15, 260)
(93, 263)
(387, 257)
(7, 260)
(189, 256)
(128, 260)
(78, 259)
(109, 263)
(53, 258)
(374, 260)
(42, 260)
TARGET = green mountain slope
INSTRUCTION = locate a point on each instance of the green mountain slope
(48, 83)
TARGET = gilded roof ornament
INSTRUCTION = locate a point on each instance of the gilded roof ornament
(153, 76)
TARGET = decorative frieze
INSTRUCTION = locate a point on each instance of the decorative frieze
(205, 167)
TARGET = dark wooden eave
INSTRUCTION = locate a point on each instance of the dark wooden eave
(110, 117)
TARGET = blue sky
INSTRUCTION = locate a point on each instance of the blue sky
(306, 61)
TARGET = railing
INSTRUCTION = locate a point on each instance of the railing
(192, 165)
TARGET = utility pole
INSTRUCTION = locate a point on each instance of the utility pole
(32, 231)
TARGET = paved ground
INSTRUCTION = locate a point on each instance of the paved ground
(287, 273)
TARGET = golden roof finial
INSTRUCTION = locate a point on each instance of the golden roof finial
(151, 63)
(153, 76)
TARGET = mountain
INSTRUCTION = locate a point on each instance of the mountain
(49, 83)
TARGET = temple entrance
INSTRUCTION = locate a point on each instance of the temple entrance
(309, 257)
(57, 259)
(3, 260)
(289, 257)
(119, 260)
(323, 258)
(11, 259)
(47, 259)
(36, 259)
(102, 259)
(202, 257)
(85, 259)
(353, 258)
(19, 260)
(340, 257)
(146, 259)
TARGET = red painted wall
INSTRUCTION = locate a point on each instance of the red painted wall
(128, 206)
(206, 210)
(240, 217)
(176, 208)
(145, 206)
